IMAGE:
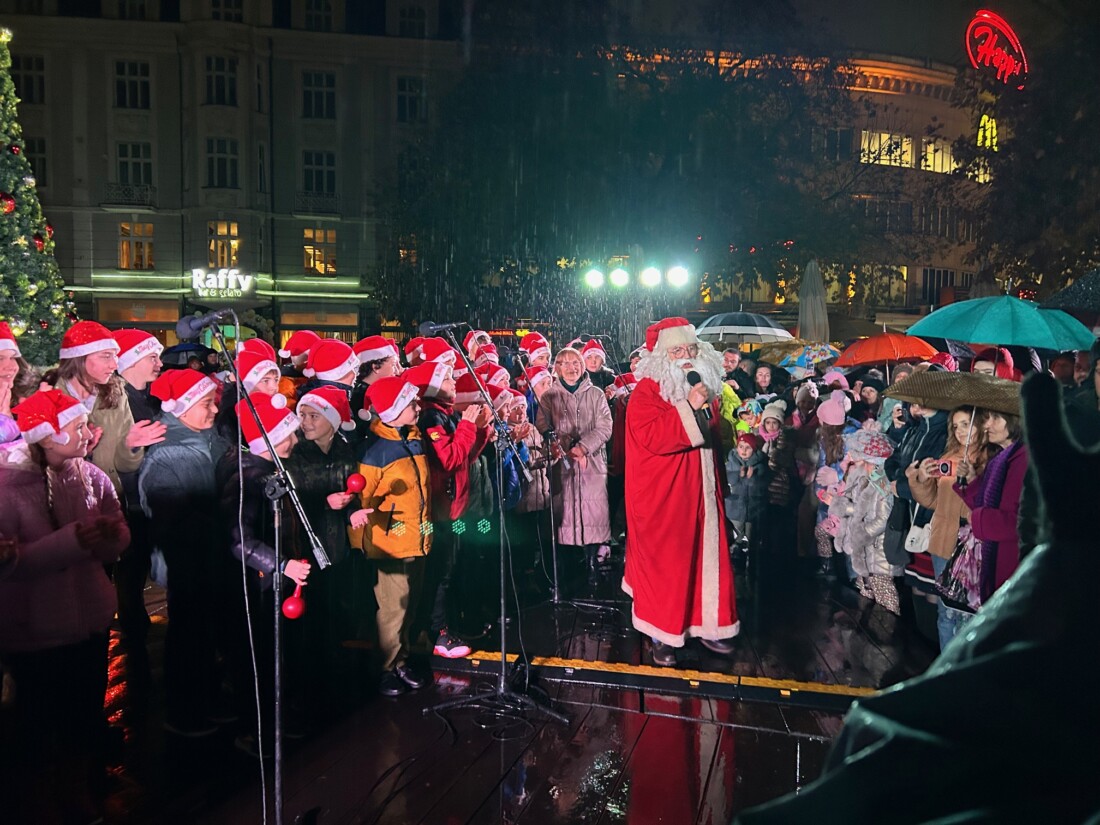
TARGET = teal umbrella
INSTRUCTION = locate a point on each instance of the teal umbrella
(1006, 321)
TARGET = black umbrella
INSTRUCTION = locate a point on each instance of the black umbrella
(1082, 295)
(742, 327)
(178, 354)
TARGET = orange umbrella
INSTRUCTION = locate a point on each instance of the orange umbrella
(887, 348)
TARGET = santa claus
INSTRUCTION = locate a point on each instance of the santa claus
(678, 567)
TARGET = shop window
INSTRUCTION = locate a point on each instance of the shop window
(132, 88)
(319, 248)
(34, 148)
(412, 100)
(319, 95)
(222, 163)
(223, 243)
(135, 246)
(228, 10)
(135, 164)
(412, 21)
(886, 148)
(319, 15)
(937, 156)
(28, 72)
(221, 81)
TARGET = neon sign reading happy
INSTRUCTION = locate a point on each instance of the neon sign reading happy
(991, 42)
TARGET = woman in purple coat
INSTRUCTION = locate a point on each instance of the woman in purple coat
(994, 500)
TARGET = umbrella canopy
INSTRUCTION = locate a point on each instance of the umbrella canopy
(813, 314)
(948, 390)
(1082, 295)
(801, 362)
(1008, 321)
(177, 354)
(884, 349)
(741, 327)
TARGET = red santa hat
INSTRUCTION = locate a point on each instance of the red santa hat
(428, 377)
(469, 342)
(536, 375)
(414, 349)
(332, 403)
(670, 332)
(390, 396)
(7, 340)
(45, 414)
(277, 421)
(594, 347)
(298, 345)
(466, 389)
(331, 359)
(84, 338)
(501, 397)
(253, 366)
(374, 348)
(486, 354)
(133, 345)
(535, 345)
(436, 349)
(180, 390)
(625, 383)
(258, 346)
(493, 374)
(638, 352)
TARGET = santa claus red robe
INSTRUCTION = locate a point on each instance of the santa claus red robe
(678, 568)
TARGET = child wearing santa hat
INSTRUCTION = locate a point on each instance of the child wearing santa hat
(535, 350)
(595, 360)
(296, 350)
(17, 381)
(394, 527)
(60, 524)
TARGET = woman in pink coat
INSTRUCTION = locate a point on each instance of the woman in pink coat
(60, 524)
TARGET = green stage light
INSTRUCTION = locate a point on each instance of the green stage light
(619, 277)
(678, 276)
(650, 277)
(594, 278)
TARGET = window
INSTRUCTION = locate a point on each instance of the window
(222, 243)
(131, 84)
(221, 163)
(319, 172)
(319, 248)
(889, 215)
(886, 149)
(135, 246)
(261, 168)
(135, 164)
(412, 104)
(944, 222)
(319, 15)
(131, 10)
(831, 144)
(34, 148)
(228, 10)
(221, 81)
(319, 95)
(412, 21)
(28, 72)
(936, 279)
(987, 133)
(937, 156)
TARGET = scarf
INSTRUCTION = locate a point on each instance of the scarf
(768, 437)
(571, 388)
(996, 471)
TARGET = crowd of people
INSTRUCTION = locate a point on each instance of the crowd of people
(115, 470)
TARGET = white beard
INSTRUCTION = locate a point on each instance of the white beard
(671, 376)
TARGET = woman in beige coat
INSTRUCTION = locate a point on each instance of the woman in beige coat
(575, 411)
(933, 491)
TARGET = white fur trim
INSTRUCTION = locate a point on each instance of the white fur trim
(440, 373)
(39, 432)
(407, 395)
(325, 409)
(279, 433)
(147, 347)
(278, 401)
(376, 354)
(467, 398)
(351, 365)
(284, 353)
(711, 546)
(178, 406)
(677, 336)
(8, 345)
(363, 414)
(253, 377)
(539, 353)
(690, 423)
(89, 348)
(66, 416)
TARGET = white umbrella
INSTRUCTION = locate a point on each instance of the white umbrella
(742, 328)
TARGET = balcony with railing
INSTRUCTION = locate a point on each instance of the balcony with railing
(130, 194)
(317, 203)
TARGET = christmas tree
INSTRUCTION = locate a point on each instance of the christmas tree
(32, 296)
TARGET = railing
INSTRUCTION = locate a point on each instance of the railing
(317, 202)
(128, 194)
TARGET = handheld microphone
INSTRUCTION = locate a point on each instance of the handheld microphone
(190, 327)
(694, 379)
(430, 328)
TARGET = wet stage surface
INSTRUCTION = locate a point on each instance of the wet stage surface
(662, 749)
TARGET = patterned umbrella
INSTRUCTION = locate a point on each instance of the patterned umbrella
(887, 348)
(802, 361)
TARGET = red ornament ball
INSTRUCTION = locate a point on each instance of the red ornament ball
(7, 203)
(39, 242)
(15, 149)
(49, 230)
(44, 324)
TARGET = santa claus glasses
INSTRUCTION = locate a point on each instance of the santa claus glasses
(684, 351)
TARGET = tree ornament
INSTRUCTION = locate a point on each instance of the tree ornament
(18, 326)
(44, 324)
(15, 149)
(20, 241)
(29, 180)
(39, 242)
(49, 230)
(31, 290)
(7, 203)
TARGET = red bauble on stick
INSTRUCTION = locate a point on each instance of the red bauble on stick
(7, 203)
(295, 605)
(356, 483)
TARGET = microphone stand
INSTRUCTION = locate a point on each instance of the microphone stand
(503, 703)
(280, 485)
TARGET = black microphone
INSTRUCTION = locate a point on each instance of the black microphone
(190, 327)
(429, 328)
(695, 378)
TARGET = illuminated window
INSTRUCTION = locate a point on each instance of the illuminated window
(222, 163)
(886, 149)
(987, 133)
(406, 250)
(319, 95)
(412, 21)
(131, 84)
(319, 248)
(135, 246)
(228, 10)
(223, 243)
(319, 172)
(34, 149)
(412, 100)
(937, 156)
(131, 10)
(319, 15)
(28, 72)
(135, 164)
(221, 81)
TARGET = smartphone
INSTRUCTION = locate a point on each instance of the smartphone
(941, 469)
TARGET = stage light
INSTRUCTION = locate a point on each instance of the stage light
(678, 276)
(650, 277)
(619, 277)
(594, 278)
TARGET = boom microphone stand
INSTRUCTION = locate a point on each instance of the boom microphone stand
(502, 702)
(280, 485)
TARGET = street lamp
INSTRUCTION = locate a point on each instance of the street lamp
(619, 277)
(678, 276)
